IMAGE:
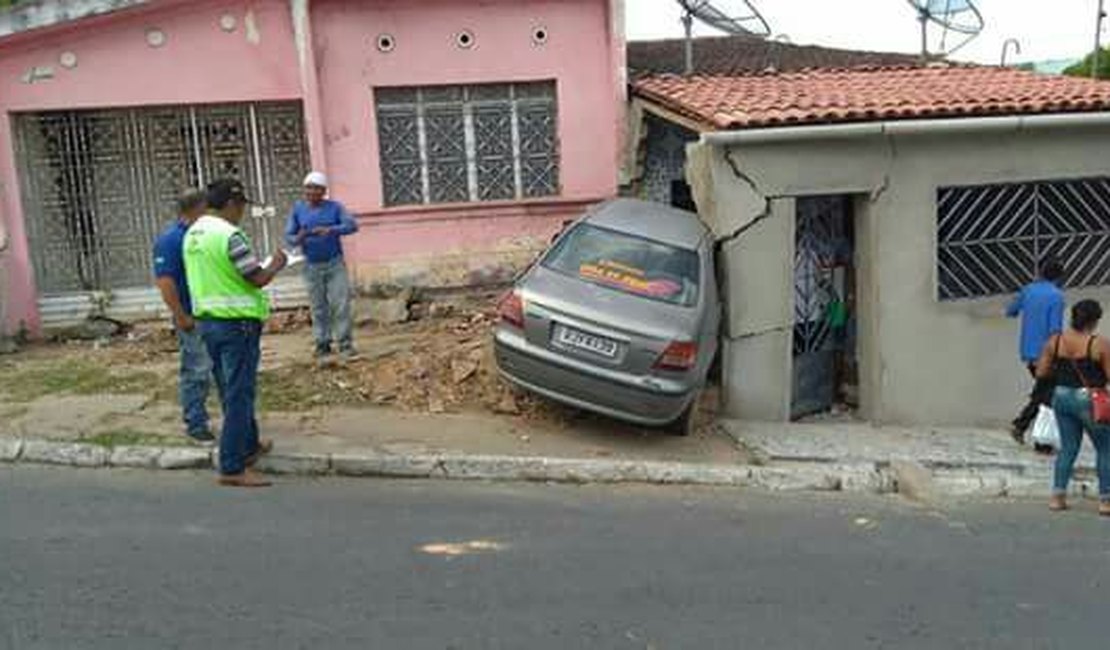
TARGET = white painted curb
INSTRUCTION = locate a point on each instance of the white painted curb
(873, 478)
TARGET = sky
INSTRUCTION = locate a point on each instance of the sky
(1045, 29)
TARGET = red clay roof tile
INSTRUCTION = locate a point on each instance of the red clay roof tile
(868, 94)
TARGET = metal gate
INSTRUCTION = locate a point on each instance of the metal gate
(99, 185)
(823, 242)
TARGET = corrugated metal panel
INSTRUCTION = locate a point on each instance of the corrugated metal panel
(289, 291)
(145, 303)
(65, 310)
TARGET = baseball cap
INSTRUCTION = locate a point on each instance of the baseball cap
(317, 179)
(222, 191)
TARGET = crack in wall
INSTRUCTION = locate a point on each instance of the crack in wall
(762, 215)
(878, 192)
(762, 332)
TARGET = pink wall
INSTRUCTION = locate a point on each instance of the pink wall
(199, 63)
(578, 56)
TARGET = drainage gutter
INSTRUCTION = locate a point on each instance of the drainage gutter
(1012, 124)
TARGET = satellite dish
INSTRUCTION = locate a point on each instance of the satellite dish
(728, 16)
(960, 17)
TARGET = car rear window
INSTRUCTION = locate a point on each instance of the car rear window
(628, 263)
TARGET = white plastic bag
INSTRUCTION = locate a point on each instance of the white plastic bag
(1045, 430)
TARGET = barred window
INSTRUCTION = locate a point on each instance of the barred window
(449, 144)
(992, 238)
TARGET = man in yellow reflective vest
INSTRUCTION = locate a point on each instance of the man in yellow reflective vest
(225, 281)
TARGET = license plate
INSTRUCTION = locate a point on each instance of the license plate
(573, 338)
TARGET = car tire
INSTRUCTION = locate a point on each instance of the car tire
(687, 423)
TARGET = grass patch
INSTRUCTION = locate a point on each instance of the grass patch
(76, 377)
(128, 437)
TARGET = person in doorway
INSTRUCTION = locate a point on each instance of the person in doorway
(195, 372)
(316, 225)
(1041, 307)
(225, 280)
(1077, 361)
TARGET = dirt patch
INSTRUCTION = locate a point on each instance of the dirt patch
(434, 365)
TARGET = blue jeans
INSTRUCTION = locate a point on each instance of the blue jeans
(1073, 416)
(329, 290)
(235, 348)
(194, 380)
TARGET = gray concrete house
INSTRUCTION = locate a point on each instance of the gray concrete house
(874, 223)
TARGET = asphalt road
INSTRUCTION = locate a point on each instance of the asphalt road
(103, 559)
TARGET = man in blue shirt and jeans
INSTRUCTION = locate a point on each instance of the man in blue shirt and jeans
(316, 224)
(169, 273)
(1041, 307)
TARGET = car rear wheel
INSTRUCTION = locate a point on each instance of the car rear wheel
(683, 426)
(686, 423)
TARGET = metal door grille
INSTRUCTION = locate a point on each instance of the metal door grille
(99, 185)
(823, 242)
(991, 238)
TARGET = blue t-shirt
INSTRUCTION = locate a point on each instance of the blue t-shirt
(1041, 307)
(169, 262)
(328, 214)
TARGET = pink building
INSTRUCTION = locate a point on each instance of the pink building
(462, 133)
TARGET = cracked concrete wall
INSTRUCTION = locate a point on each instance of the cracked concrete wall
(923, 361)
(746, 197)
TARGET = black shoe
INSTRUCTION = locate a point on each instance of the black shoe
(204, 436)
(1018, 434)
(1044, 449)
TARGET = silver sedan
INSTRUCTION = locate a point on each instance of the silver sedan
(620, 316)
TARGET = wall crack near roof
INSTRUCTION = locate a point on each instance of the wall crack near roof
(877, 193)
(760, 216)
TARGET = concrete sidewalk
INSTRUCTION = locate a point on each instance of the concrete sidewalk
(921, 464)
(924, 463)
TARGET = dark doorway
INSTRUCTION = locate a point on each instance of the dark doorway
(681, 197)
(825, 375)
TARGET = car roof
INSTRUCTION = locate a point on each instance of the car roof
(650, 220)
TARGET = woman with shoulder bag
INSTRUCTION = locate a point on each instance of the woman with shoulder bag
(1079, 362)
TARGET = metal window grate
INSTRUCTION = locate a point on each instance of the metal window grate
(99, 185)
(991, 238)
(452, 144)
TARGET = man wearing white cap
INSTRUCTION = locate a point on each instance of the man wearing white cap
(316, 224)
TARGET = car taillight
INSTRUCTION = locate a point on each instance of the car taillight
(679, 355)
(511, 309)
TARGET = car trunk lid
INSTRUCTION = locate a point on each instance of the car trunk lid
(592, 323)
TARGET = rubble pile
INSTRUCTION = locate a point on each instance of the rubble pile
(440, 360)
(441, 363)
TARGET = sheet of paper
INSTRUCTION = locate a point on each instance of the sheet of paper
(293, 259)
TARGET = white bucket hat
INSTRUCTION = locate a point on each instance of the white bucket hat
(316, 178)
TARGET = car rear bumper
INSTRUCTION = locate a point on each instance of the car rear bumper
(649, 402)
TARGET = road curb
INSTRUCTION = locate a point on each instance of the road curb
(824, 477)
(921, 481)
